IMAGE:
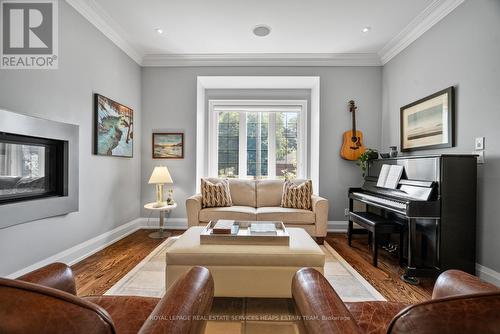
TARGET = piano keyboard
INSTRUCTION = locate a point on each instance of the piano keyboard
(382, 201)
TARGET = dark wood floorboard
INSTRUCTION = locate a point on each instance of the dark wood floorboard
(100, 271)
(385, 277)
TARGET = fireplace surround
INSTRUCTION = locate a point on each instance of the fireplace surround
(38, 168)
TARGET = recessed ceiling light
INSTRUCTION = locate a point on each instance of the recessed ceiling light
(261, 30)
(159, 31)
(366, 29)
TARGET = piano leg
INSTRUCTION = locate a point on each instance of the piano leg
(374, 249)
(412, 233)
(349, 232)
(401, 242)
(349, 224)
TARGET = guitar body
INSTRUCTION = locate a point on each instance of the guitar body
(352, 145)
(350, 150)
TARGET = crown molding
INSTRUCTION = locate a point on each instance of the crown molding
(90, 10)
(262, 59)
(431, 15)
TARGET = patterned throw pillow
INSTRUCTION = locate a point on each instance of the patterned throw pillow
(215, 194)
(297, 196)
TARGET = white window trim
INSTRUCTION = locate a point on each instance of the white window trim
(203, 83)
(243, 106)
(271, 138)
(242, 160)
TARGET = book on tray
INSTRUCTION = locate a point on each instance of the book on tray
(223, 226)
(263, 229)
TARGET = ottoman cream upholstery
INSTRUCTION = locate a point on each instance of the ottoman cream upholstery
(245, 270)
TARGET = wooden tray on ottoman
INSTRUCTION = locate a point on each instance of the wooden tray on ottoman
(244, 236)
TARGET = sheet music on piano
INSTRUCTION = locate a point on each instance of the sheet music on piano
(389, 176)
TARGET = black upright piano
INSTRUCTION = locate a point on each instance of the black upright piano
(435, 203)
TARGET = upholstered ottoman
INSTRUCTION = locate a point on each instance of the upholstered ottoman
(245, 270)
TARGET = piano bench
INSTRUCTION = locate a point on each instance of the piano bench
(376, 225)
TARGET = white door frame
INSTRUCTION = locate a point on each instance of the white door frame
(311, 83)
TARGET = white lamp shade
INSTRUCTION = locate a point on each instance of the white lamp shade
(160, 175)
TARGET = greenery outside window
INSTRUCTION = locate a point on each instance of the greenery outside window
(257, 139)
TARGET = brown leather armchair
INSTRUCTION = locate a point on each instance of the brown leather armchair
(45, 301)
(460, 303)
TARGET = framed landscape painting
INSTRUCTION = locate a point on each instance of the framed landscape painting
(114, 128)
(168, 145)
(428, 123)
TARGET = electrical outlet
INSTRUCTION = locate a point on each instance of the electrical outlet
(346, 212)
(480, 157)
(479, 143)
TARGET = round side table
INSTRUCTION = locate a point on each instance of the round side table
(161, 233)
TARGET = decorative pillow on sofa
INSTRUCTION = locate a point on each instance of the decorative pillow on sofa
(297, 196)
(215, 194)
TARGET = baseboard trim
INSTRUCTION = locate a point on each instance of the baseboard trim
(488, 274)
(87, 248)
(337, 226)
(170, 223)
(79, 252)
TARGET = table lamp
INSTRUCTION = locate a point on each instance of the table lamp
(159, 177)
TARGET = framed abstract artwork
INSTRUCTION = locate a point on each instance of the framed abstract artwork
(429, 122)
(113, 128)
(168, 145)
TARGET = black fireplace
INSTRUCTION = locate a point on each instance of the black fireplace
(32, 168)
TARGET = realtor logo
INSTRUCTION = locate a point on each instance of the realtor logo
(29, 38)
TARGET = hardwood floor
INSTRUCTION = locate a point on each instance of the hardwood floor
(99, 272)
(384, 277)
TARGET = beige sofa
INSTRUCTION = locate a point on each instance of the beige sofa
(260, 200)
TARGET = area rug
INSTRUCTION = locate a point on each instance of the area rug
(148, 277)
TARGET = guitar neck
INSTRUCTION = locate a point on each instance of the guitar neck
(354, 122)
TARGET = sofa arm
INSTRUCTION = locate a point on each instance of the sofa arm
(457, 283)
(193, 207)
(320, 307)
(320, 208)
(55, 275)
(185, 306)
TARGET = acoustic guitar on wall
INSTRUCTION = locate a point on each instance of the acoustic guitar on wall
(352, 146)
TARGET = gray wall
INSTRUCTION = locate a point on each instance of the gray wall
(463, 50)
(109, 187)
(169, 103)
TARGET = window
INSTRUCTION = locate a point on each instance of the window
(228, 144)
(257, 139)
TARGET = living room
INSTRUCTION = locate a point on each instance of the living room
(284, 114)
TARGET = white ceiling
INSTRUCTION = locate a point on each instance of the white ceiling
(200, 29)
